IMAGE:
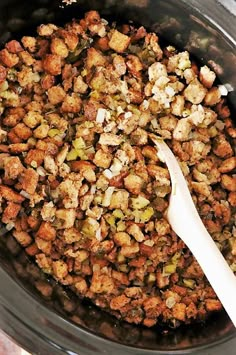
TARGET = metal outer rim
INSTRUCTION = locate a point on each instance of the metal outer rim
(34, 327)
(48, 338)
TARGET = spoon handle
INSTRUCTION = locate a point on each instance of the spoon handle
(186, 222)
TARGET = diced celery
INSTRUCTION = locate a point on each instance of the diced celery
(124, 268)
(111, 220)
(189, 283)
(120, 258)
(72, 155)
(169, 269)
(81, 154)
(151, 277)
(97, 200)
(139, 202)
(118, 214)
(88, 230)
(53, 132)
(146, 214)
(78, 143)
(176, 257)
(121, 226)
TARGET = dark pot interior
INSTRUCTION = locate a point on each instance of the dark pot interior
(65, 324)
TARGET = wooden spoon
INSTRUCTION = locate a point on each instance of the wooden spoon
(187, 224)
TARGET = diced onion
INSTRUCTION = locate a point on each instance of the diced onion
(41, 171)
(93, 189)
(101, 114)
(24, 194)
(128, 114)
(98, 234)
(154, 123)
(223, 90)
(170, 302)
(10, 226)
(108, 174)
(107, 196)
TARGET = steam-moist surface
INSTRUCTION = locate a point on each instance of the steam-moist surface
(81, 187)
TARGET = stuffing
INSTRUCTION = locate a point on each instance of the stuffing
(133, 183)
(195, 92)
(82, 189)
(119, 42)
(52, 64)
(207, 76)
(29, 180)
(56, 94)
(12, 167)
(8, 59)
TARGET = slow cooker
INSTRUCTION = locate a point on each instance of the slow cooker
(63, 324)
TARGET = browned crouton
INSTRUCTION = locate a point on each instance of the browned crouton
(65, 218)
(81, 286)
(232, 198)
(3, 74)
(46, 231)
(101, 284)
(119, 302)
(13, 167)
(71, 104)
(18, 148)
(129, 250)
(81, 165)
(207, 77)
(133, 183)
(228, 182)
(10, 195)
(22, 237)
(47, 81)
(29, 43)
(52, 64)
(35, 157)
(179, 311)
(46, 30)
(11, 211)
(213, 97)
(44, 262)
(56, 94)
(70, 38)
(109, 139)
(32, 250)
(60, 269)
(14, 46)
(94, 58)
(44, 245)
(222, 148)
(136, 232)
(119, 199)
(162, 281)
(119, 42)
(213, 305)
(122, 238)
(195, 92)
(79, 85)
(227, 165)
(27, 58)
(8, 59)
(22, 131)
(102, 159)
(59, 47)
(29, 180)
